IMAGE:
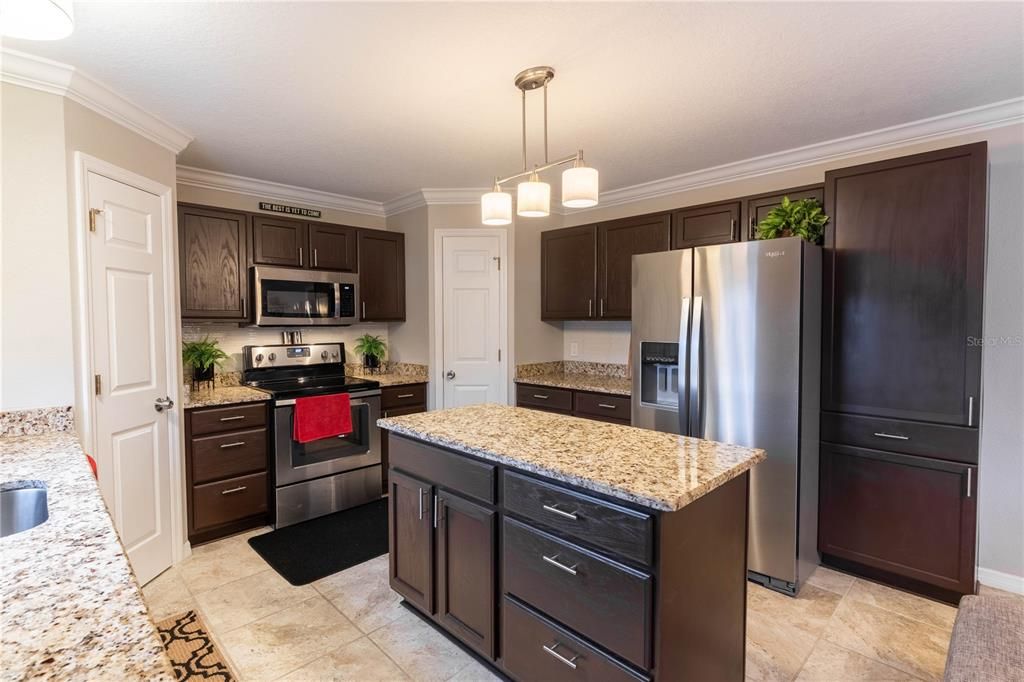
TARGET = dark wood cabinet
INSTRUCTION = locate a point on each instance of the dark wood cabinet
(757, 208)
(605, 407)
(466, 554)
(706, 225)
(381, 276)
(278, 241)
(618, 242)
(213, 257)
(396, 401)
(904, 279)
(908, 516)
(568, 273)
(410, 539)
(332, 247)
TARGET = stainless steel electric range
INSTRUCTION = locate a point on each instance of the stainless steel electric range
(323, 476)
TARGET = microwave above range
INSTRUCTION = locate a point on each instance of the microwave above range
(290, 297)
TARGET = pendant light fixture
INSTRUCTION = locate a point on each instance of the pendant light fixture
(533, 196)
(36, 19)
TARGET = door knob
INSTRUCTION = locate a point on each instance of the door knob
(161, 404)
(450, 374)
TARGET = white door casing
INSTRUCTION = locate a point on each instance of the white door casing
(473, 308)
(130, 356)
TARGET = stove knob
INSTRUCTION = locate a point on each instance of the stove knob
(334, 355)
(323, 355)
(259, 358)
(272, 357)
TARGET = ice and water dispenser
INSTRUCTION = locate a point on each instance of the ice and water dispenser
(659, 374)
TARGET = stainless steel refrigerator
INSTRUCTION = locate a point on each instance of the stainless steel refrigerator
(726, 346)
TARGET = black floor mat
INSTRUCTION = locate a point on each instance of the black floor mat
(315, 549)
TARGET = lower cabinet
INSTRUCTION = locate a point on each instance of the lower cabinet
(863, 491)
(410, 525)
(396, 401)
(606, 407)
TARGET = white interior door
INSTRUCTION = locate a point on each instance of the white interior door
(473, 310)
(130, 359)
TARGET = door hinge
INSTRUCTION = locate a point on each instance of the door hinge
(93, 213)
(498, 258)
(98, 383)
(499, 355)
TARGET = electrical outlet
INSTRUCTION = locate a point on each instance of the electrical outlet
(574, 350)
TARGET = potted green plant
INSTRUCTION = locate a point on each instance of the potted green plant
(373, 349)
(203, 356)
(801, 218)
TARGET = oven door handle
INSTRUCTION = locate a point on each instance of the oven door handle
(355, 398)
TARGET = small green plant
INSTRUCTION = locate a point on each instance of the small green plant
(203, 355)
(368, 345)
(800, 218)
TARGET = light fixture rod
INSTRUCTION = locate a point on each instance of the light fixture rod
(524, 131)
(545, 121)
(539, 169)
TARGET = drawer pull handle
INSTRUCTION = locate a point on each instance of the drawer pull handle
(233, 490)
(564, 514)
(236, 444)
(571, 662)
(553, 560)
(894, 436)
(540, 396)
(406, 395)
(606, 406)
(233, 419)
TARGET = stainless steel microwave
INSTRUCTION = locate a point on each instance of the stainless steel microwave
(289, 297)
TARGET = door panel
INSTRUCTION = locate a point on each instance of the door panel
(411, 556)
(705, 225)
(332, 247)
(568, 275)
(130, 356)
(278, 241)
(466, 557)
(213, 252)
(471, 313)
(381, 276)
(618, 242)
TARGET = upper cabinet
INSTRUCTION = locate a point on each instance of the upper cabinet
(618, 242)
(758, 208)
(706, 225)
(381, 276)
(568, 273)
(904, 280)
(213, 256)
(332, 247)
(278, 241)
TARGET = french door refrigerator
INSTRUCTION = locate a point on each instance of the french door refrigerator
(726, 346)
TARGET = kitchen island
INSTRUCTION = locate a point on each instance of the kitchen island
(558, 547)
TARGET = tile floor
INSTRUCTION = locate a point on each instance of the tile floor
(350, 626)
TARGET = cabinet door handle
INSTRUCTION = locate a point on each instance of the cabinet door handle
(236, 444)
(590, 307)
(606, 406)
(540, 396)
(435, 511)
(563, 514)
(893, 436)
(233, 490)
(421, 503)
(364, 310)
(300, 256)
(571, 662)
(405, 395)
(600, 305)
(245, 313)
(969, 470)
(553, 560)
(970, 410)
(315, 259)
(232, 419)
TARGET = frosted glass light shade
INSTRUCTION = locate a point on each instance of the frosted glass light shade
(579, 187)
(36, 19)
(533, 199)
(496, 208)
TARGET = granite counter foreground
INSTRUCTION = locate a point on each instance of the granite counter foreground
(657, 470)
(71, 607)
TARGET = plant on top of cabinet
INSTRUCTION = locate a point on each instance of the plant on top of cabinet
(373, 349)
(801, 218)
(203, 356)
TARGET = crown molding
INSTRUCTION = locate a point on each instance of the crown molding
(433, 196)
(56, 78)
(225, 182)
(986, 117)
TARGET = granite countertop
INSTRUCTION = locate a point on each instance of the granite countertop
(223, 395)
(392, 379)
(72, 608)
(657, 470)
(581, 382)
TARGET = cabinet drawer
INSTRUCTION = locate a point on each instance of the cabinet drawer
(228, 454)
(448, 470)
(220, 419)
(403, 396)
(603, 405)
(218, 503)
(955, 443)
(544, 397)
(607, 602)
(535, 648)
(605, 525)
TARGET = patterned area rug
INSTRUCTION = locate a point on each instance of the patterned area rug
(191, 650)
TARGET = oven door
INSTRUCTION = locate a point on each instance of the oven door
(295, 462)
(290, 297)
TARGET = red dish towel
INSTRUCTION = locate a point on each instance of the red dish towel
(322, 416)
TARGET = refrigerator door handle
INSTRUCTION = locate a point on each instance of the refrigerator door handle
(684, 324)
(694, 348)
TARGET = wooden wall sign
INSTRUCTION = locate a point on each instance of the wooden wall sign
(290, 210)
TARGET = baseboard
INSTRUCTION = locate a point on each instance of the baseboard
(1000, 580)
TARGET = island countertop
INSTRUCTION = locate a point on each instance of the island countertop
(72, 608)
(657, 470)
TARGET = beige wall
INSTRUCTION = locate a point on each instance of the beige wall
(249, 202)
(410, 340)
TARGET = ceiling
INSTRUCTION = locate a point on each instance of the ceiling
(375, 100)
